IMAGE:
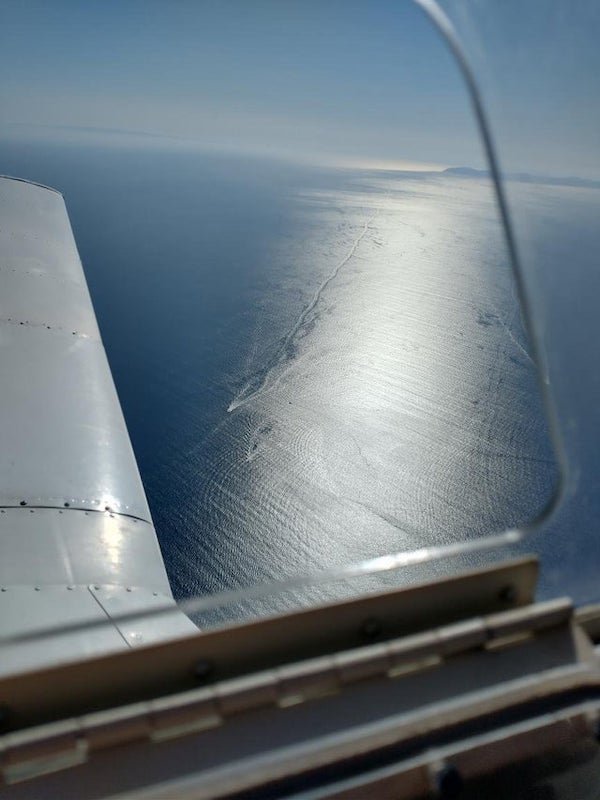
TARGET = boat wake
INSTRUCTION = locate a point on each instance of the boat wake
(265, 378)
(511, 335)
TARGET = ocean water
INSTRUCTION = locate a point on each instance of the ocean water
(316, 366)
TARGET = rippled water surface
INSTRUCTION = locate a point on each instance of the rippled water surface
(315, 366)
(397, 407)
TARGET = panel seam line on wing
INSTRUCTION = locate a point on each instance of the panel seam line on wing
(109, 618)
(64, 509)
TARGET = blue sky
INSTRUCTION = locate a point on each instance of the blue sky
(333, 81)
(330, 81)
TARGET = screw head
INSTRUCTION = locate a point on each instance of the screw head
(203, 670)
(449, 782)
(371, 628)
(508, 594)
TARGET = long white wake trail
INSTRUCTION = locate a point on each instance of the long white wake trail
(511, 335)
(244, 397)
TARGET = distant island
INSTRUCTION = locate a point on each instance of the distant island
(523, 177)
(468, 172)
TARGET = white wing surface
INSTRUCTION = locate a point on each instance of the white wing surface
(77, 543)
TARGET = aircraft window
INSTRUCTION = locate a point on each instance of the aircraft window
(303, 282)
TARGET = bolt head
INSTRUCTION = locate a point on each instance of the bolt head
(508, 594)
(371, 628)
(449, 782)
(203, 670)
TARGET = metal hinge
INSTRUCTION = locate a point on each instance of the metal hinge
(48, 748)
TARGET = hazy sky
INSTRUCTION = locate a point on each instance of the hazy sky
(328, 80)
(538, 64)
(337, 81)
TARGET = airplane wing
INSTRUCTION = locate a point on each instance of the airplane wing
(77, 544)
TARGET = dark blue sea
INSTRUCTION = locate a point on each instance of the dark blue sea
(315, 366)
